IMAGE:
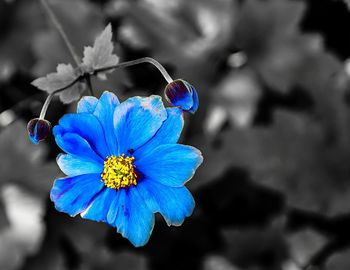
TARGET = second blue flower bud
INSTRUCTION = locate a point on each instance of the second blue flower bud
(38, 130)
(183, 95)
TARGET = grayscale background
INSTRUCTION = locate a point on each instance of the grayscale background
(273, 78)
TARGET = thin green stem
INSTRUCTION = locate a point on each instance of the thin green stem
(60, 30)
(150, 60)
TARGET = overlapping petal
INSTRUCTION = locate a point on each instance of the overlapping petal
(115, 215)
(117, 200)
(124, 209)
(99, 208)
(170, 164)
(74, 144)
(89, 128)
(104, 112)
(195, 101)
(75, 165)
(175, 204)
(169, 132)
(134, 219)
(72, 195)
(87, 105)
(137, 120)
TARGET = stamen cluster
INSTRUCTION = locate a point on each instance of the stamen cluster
(119, 172)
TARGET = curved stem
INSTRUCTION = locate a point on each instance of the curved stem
(60, 30)
(150, 60)
(51, 95)
(45, 106)
(89, 84)
(87, 77)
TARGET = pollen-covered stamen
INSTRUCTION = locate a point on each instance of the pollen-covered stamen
(119, 172)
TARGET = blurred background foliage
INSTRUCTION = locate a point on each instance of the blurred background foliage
(273, 78)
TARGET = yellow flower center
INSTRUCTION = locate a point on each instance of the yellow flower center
(119, 172)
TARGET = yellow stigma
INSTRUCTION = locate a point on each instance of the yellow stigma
(119, 172)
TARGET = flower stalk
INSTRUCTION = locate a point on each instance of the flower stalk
(38, 128)
(51, 95)
(142, 60)
(87, 77)
(60, 30)
(89, 84)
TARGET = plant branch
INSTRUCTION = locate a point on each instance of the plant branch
(89, 84)
(60, 30)
(87, 77)
(150, 60)
(51, 95)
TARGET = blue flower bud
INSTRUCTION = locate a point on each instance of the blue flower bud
(181, 94)
(38, 130)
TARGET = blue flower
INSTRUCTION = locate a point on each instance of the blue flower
(123, 164)
(181, 94)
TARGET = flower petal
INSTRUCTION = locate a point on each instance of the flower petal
(87, 105)
(137, 120)
(100, 206)
(74, 165)
(74, 144)
(134, 219)
(168, 133)
(116, 211)
(174, 203)
(104, 112)
(73, 195)
(113, 209)
(195, 101)
(170, 164)
(88, 127)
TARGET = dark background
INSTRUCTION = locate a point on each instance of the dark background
(273, 78)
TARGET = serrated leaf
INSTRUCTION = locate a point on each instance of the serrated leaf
(101, 54)
(65, 74)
